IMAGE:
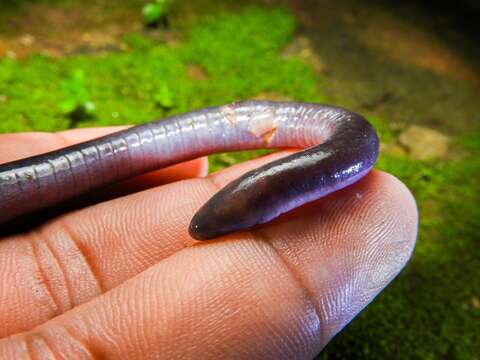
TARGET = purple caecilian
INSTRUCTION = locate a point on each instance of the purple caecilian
(340, 148)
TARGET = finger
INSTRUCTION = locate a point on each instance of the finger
(281, 292)
(84, 253)
(184, 170)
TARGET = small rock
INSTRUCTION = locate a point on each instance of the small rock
(27, 40)
(86, 37)
(392, 149)
(11, 54)
(52, 53)
(424, 143)
(302, 47)
(97, 39)
(475, 302)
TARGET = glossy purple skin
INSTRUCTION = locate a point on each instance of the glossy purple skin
(341, 148)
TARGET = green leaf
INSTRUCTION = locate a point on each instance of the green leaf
(164, 97)
(152, 12)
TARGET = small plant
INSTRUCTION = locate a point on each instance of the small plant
(155, 13)
(164, 97)
(77, 105)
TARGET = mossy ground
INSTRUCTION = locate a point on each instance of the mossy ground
(432, 309)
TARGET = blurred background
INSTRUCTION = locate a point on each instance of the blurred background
(411, 67)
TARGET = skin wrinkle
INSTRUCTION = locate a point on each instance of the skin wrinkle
(69, 247)
(83, 253)
(101, 315)
(45, 255)
(27, 347)
(39, 347)
(56, 310)
(60, 266)
(82, 345)
(136, 249)
(318, 301)
(259, 235)
(139, 336)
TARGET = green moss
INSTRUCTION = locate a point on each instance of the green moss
(383, 130)
(238, 53)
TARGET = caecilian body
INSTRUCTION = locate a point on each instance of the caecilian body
(340, 148)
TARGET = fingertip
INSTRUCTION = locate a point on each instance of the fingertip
(186, 170)
(404, 205)
(348, 246)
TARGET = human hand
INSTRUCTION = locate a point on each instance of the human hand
(123, 279)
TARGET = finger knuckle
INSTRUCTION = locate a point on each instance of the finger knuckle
(64, 267)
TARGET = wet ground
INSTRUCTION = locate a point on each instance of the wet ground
(402, 61)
